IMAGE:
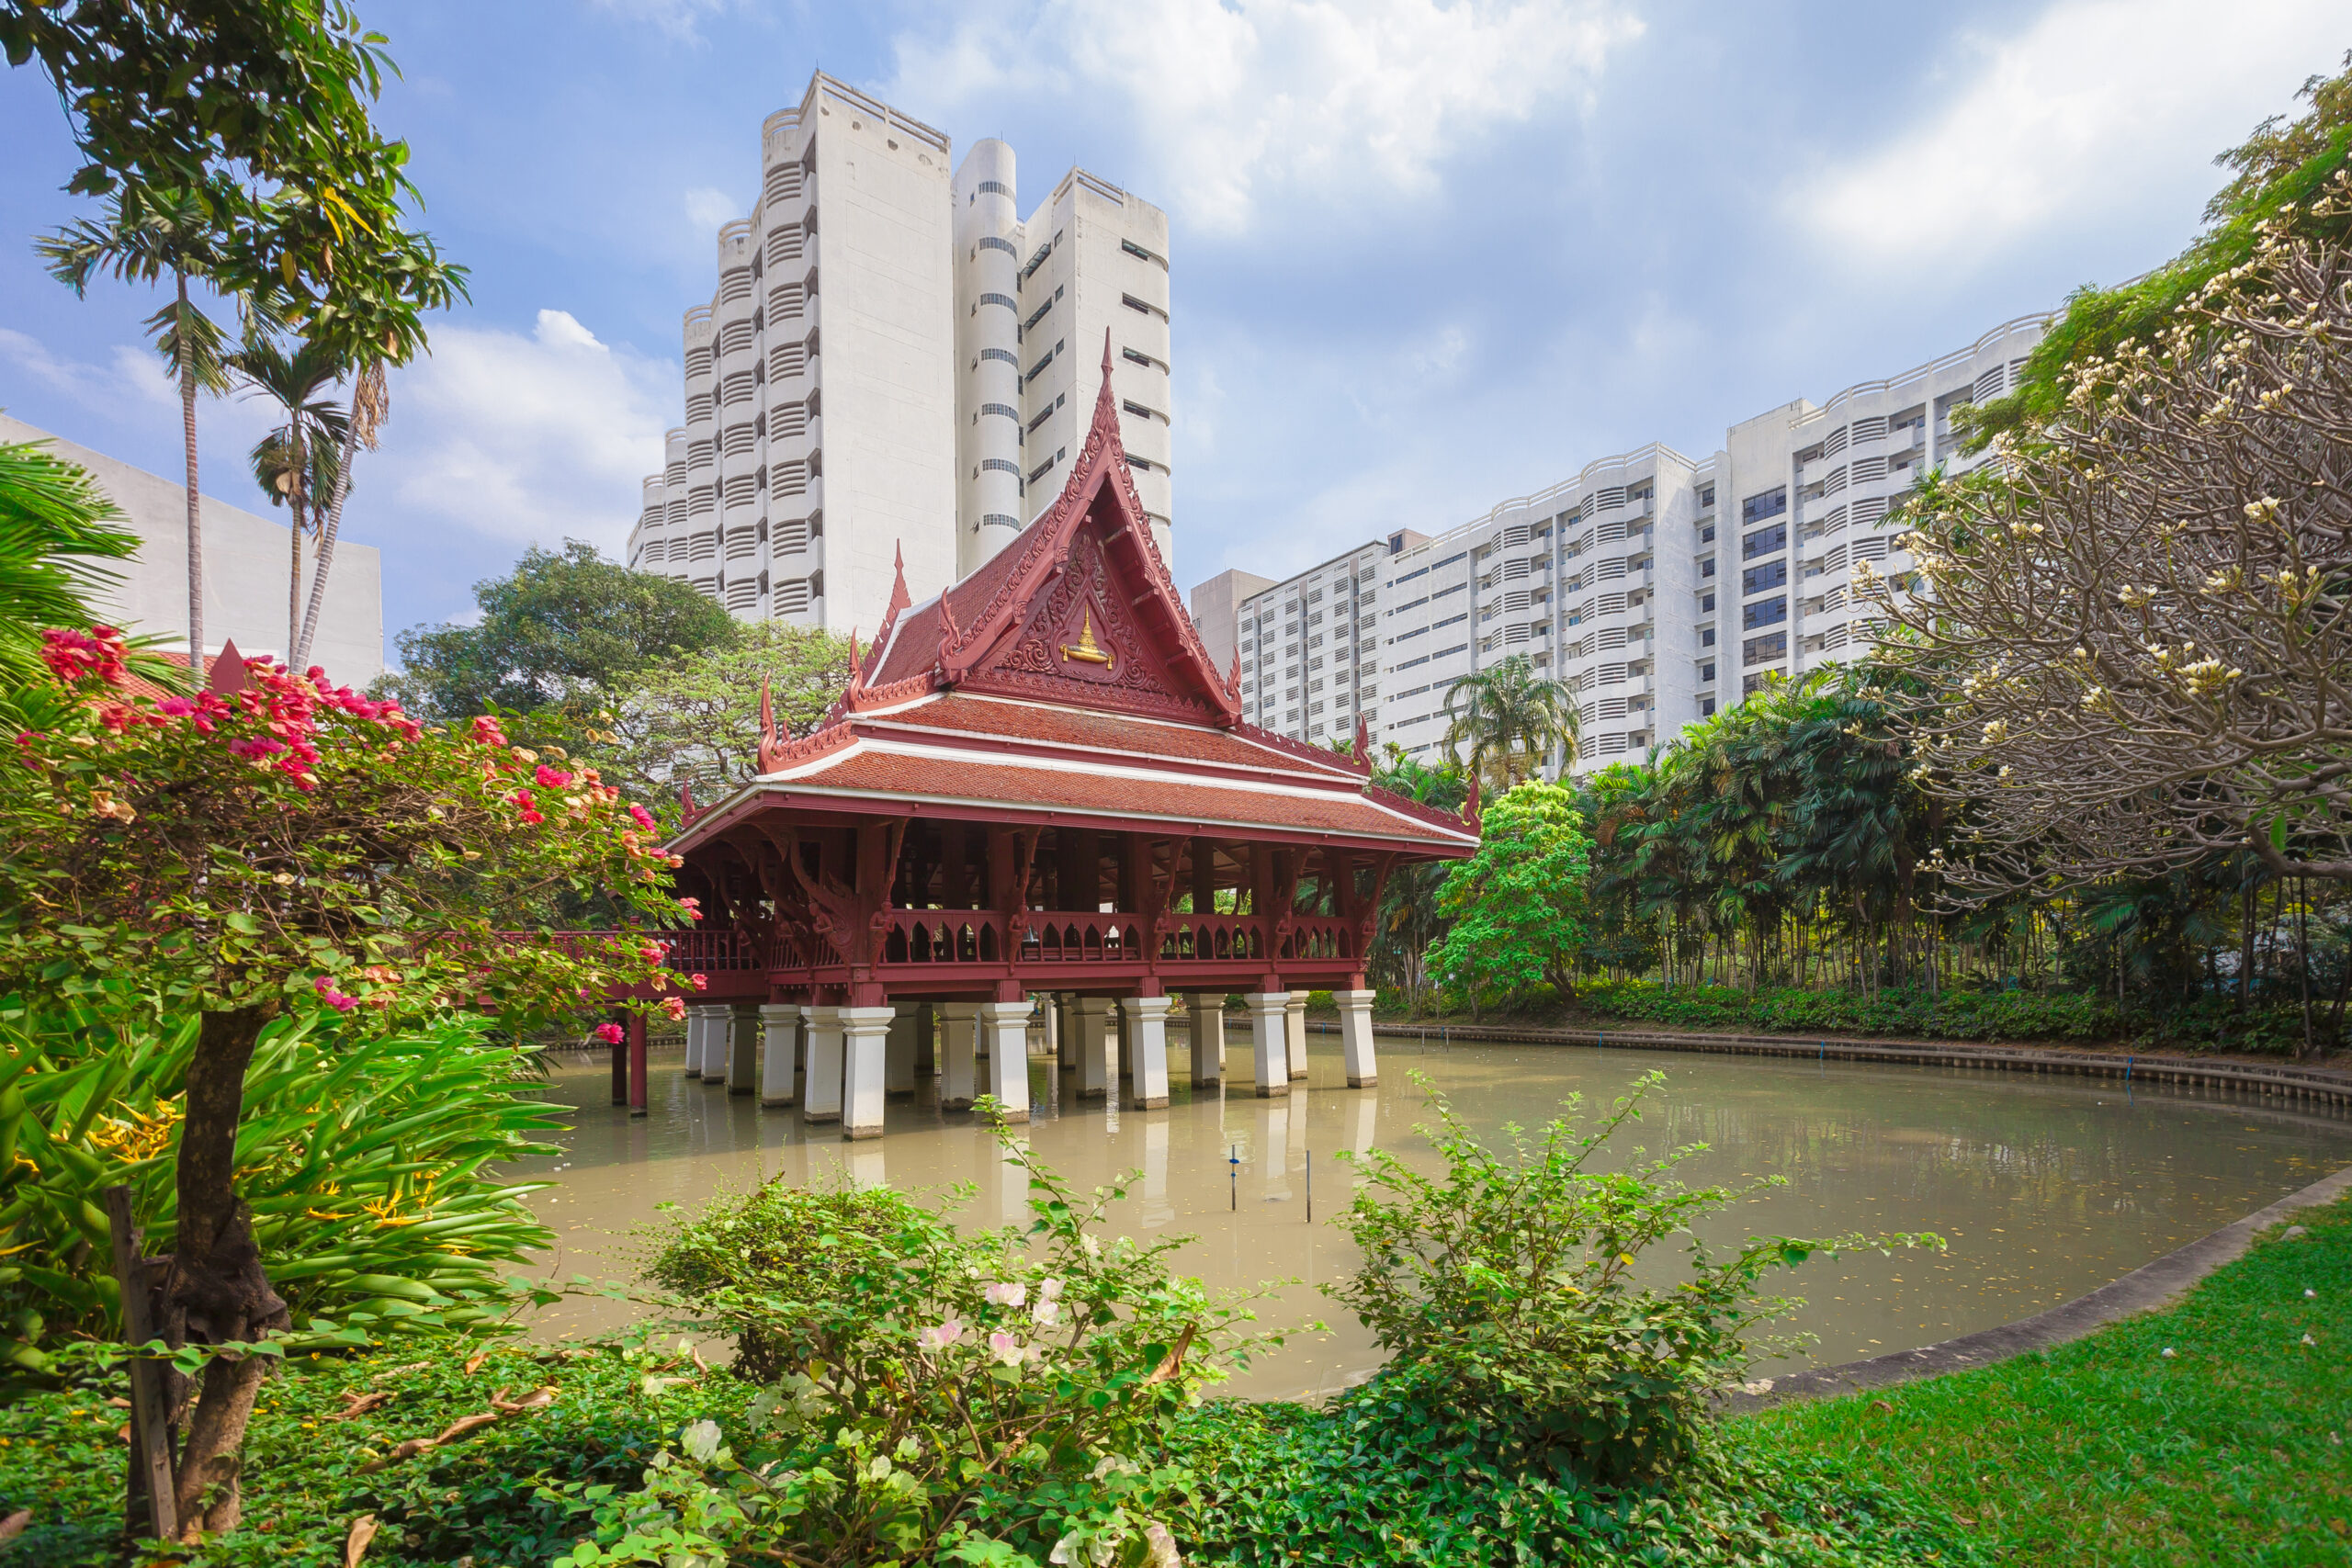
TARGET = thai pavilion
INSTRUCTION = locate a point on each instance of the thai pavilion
(1036, 786)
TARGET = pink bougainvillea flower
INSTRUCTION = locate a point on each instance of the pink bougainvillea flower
(1006, 1293)
(641, 816)
(1008, 1349)
(551, 778)
(948, 1333)
(701, 981)
(610, 1033)
(674, 1009)
(324, 986)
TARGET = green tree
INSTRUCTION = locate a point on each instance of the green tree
(567, 632)
(1408, 919)
(1506, 720)
(695, 722)
(167, 234)
(1518, 905)
(295, 463)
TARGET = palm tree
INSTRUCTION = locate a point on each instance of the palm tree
(370, 406)
(144, 235)
(285, 463)
(1508, 718)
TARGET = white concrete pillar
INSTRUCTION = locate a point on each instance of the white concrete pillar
(957, 1084)
(1148, 1045)
(822, 1101)
(1094, 1063)
(743, 1049)
(864, 1042)
(1269, 1040)
(1355, 1037)
(1005, 1026)
(780, 1029)
(700, 1056)
(1208, 1037)
(899, 1053)
(1294, 1033)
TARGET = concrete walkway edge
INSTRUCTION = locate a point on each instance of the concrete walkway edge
(2323, 1085)
(2145, 1289)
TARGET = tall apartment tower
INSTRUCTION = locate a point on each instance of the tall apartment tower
(1655, 587)
(883, 377)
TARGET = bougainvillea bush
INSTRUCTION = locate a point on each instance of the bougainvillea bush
(275, 846)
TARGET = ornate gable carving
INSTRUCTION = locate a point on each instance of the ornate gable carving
(1080, 643)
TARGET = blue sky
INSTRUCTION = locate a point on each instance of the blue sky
(1425, 256)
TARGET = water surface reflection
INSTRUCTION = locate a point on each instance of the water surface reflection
(2046, 1187)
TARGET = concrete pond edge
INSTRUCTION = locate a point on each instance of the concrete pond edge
(2145, 1289)
(2284, 1081)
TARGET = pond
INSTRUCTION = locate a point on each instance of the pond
(2045, 1187)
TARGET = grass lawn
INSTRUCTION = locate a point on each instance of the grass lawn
(2232, 1449)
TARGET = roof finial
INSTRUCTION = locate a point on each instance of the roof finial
(900, 599)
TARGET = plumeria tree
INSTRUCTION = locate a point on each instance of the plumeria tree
(2141, 629)
(274, 845)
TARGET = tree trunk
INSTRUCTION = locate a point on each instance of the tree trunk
(194, 506)
(295, 500)
(2303, 954)
(217, 1292)
(301, 659)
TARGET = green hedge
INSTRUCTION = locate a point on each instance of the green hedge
(1953, 1015)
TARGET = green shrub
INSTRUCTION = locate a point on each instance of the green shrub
(934, 1396)
(1793, 1009)
(368, 1162)
(1505, 1292)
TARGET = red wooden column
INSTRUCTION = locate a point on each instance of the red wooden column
(621, 1069)
(638, 1097)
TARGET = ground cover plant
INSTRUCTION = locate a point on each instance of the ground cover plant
(2214, 1432)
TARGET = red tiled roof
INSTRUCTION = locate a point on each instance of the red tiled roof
(866, 770)
(1055, 725)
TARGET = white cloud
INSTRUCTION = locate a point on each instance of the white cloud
(681, 19)
(707, 208)
(528, 439)
(2098, 108)
(133, 403)
(1240, 102)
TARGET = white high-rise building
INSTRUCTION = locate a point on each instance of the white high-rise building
(895, 365)
(1656, 586)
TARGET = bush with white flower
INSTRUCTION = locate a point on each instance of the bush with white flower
(991, 1396)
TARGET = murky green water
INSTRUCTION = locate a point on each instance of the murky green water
(2045, 1187)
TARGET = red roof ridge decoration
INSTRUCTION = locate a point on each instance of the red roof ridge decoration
(1311, 753)
(1090, 557)
(228, 675)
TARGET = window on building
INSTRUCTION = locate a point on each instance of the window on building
(1757, 508)
(1707, 567)
(1706, 636)
(1764, 541)
(1706, 672)
(1764, 611)
(1764, 649)
(1706, 604)
(1771, 574)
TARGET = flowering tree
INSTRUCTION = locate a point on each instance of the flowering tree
(1518, 904)
(2144, 627)
(273, 845)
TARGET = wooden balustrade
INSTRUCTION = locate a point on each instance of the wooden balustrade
(924, 938)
